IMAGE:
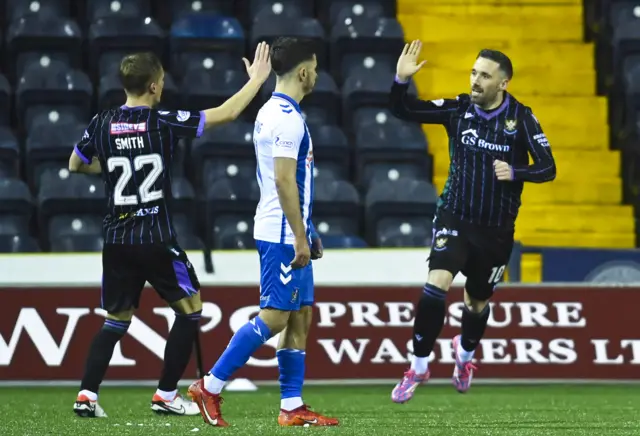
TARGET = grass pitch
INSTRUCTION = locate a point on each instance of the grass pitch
(435, 410)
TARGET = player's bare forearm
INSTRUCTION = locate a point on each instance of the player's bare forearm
(231, 109)
(288, 195)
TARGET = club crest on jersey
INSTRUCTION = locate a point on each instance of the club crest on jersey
(440, 244)
(183, 116)
(510, 127)
(125, 128)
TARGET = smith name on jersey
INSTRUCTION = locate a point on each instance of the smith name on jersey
(135, 147)
(509, 133)
(280, 131)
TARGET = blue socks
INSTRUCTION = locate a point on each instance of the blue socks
(291, 365)
(243, 344)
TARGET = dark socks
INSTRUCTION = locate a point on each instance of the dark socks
(429, 319)
(178, 350)
(100, 353)
(473, 327)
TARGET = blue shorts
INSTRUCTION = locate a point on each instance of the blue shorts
(281, 287)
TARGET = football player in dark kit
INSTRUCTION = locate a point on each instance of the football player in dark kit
(132, 147)
(491, 135)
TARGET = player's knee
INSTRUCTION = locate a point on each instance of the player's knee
(440, 278)
(188, 305)
(475, 305)
(118, 323)
(276, 320)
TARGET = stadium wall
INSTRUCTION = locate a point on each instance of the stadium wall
(361, 332)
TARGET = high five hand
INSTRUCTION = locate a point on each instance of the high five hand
(408, 61)
(261, 67)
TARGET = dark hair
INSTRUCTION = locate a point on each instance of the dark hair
(289, 52)
(500, 58)
(138, 71)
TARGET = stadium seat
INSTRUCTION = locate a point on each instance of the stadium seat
(189, 241)
(184, 197)
(15, 199)
(172, 9)
(183, 224)
(77, 244)
(336, 225)
(215, 169)
(362, 63)
(99, 9)
(28, 60)
(232, 232)
(18, 244)
(51, 142)
(202, 89)
(71, 225)
(308, 28)
(62, 193)
(412, 232)
(277, 7)
(381, 171)
(13, 224)
(123, 34)
(355, 10)
(376, 35)
(325, 97)
(335, 200)
(230, 196)
(317, 116)
(344, 242)
(109, 63)
(391, 144)
(330, 150)
(111, 94)
(631, 71)
(278, 10)
(43, 34)
(55, 85)
(185, 63)
(5, 101)
(325, 7)
(9, 154)
(233, 141)
(53, 113)
(402, 198)
(205, 32)
(18, 9)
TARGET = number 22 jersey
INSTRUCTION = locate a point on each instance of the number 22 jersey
(135, 147)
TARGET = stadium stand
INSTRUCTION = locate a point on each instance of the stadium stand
(377, 177)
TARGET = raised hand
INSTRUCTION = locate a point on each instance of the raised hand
(408, 61)
(261, 66)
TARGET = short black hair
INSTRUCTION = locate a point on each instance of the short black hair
(289, 52)
(138, 71)
(500, 58)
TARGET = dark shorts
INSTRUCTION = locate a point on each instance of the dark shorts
(481, 254)
(126, 269)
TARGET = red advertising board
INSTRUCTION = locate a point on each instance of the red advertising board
(534, 332)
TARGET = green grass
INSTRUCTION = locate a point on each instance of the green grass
(435, 410)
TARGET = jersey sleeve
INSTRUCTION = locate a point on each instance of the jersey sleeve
(287, 137)
(184, 124)
(86, 148)
(409, 108)
(543, 168)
